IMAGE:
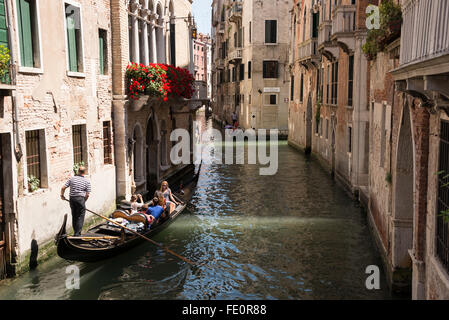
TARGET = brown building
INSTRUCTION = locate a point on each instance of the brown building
(409, 146)
(328, 113)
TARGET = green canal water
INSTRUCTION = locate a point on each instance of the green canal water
(294, 235)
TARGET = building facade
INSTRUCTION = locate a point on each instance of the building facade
(201, 56)
(53, 117)
(408, 154)
(147, 32)
(328, 113)
(250, 55)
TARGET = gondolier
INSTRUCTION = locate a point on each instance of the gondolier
(79, 193)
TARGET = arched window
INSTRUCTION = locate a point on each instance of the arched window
(160, 35)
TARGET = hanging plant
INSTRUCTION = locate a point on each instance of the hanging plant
(390, 29)
(159, 80)
(4, 62)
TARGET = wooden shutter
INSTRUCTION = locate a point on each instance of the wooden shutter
(25, 33)
(71, 43)
(101, 49)
(4, 41)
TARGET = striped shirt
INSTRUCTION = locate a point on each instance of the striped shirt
(78, 186)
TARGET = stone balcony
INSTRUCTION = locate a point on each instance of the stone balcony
(344, 26)
(308, 52)
(324, 33)
(421, 40)
(235, 56)
(235, 13)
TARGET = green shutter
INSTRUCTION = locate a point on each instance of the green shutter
(4, 41)
(25, 34)
(71, 44)
(101, 49)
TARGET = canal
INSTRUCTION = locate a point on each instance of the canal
(294, 235)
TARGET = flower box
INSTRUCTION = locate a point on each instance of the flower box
(159, 81)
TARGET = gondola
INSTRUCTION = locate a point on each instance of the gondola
(106, 240)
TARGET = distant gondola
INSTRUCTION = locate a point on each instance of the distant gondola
(105, 240)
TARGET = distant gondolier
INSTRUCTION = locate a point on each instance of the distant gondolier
(79, 193)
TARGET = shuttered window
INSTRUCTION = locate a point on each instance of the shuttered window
(102, 48)
(25, 17)
(73, 25)
(33, 154)
(249, 69)
(350, 79)
(3, 35)
(270, 31)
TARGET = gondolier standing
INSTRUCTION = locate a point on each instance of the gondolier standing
(79, 193)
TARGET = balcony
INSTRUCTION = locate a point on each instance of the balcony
(235, 56)
(308, 52)
(324, 34)
(421, 40)
(235, 13)
(343, 26)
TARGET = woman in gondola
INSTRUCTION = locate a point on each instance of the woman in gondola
(170, 201)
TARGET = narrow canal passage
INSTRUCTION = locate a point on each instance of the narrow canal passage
(294, 235)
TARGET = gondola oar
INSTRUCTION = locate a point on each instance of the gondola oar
(142, 236)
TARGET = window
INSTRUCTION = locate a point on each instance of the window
(27, 21)
(107, 142)
(301, 92)
(103, 51)
(33, 154)
(442, 228)
(77, 144)
(74, 38)
(249, 69)
(292, 88)
(350, 79)
(327, 129)
(233, 75)
(36, 156)
(334, 86)
(328, 84)
(349, 139)
(270, 69)
(249, 32)
(270, 31)
(270, 99)
(242, 72)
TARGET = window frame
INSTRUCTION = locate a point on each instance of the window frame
(79, 74)
(265, 32)
(21, 68)
(263, 69)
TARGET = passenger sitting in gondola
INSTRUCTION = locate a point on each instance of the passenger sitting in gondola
(154, 211)
(136, 203)
(168, 196)
(162, 202)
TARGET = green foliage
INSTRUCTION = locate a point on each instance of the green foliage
(33, 183)
(388, 178)
(77, 166)
(389, 12)
(390, 21)
(4, 61)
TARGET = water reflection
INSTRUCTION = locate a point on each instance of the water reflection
(295, 235)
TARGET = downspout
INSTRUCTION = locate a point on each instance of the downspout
(16, 137)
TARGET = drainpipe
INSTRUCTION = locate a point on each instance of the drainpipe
(16, 137)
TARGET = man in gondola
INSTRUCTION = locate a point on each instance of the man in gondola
(79, 193)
